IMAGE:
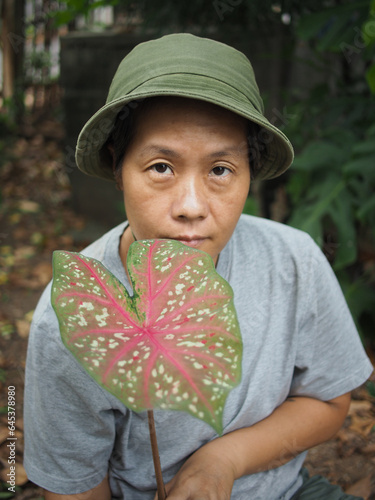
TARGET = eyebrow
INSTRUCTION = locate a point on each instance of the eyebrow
(230, 151)
(154, 148)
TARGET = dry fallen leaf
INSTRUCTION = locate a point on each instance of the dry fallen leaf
(23, 328)
(24, 252)
(21, 476)
(369, 449)
(43, 272)
(360, 406)
(29, 315)
(361, 488)
(362, 425)
(28, 206)
(4, 433)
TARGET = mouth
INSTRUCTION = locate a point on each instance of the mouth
(191, 241)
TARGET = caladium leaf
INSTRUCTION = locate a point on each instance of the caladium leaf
(174, 344)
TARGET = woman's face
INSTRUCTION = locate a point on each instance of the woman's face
(185, 174)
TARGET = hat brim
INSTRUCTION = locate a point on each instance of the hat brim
(93, 160)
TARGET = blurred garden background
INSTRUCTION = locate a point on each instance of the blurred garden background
(315, 66)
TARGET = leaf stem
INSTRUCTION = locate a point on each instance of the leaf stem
(155, 456)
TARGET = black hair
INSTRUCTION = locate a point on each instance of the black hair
(124, 129)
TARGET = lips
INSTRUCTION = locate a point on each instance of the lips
(190, 240)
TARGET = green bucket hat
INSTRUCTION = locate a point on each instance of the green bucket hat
(187, 66)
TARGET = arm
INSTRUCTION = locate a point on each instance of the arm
(101, 491)
(296, 425)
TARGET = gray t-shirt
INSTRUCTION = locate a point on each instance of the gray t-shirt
(298, 339)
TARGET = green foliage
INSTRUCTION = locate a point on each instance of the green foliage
(74, 8)
(331, 28)
(251, 206)
(198, 15)
(332, 182)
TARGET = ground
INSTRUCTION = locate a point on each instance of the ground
(35, 219)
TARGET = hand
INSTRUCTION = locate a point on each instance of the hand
(204, 476)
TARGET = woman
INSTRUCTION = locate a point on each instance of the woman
(183, 134)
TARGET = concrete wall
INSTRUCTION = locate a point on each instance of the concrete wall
(87, 65)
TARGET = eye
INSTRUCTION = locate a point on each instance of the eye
(220, 171)
(161, 168)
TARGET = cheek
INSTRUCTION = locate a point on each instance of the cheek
(144, 210)
(228, 210)
(238, 196)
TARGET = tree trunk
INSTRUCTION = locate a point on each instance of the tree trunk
(13, 41)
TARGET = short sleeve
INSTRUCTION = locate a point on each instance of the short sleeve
(330, 358)
(64, 410)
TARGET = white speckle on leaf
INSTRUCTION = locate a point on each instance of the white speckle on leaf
(121, 336)
(100, 318)
(82, 321)
(87, 305)
(193, 408)
(179, 287)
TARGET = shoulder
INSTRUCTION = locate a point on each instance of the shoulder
(98, 248)
(265, 239)
(44, 316)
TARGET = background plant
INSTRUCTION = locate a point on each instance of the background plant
(331, 185)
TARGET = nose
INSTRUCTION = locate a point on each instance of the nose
(190, 201)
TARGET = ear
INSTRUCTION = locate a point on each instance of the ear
(116, 173)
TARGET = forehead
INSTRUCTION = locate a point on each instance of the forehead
(173, 114)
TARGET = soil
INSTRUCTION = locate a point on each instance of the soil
(35, 220)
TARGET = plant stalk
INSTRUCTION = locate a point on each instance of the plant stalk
(155, 456)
